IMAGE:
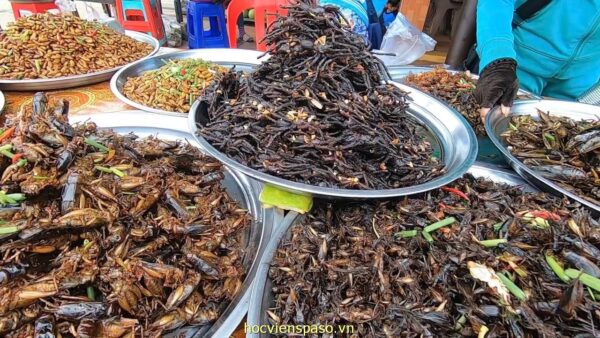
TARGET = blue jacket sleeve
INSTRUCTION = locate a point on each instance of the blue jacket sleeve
(494, 30)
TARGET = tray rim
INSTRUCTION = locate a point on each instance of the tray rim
(233, 314)
(424, 69)
(557, 107)
(185, 54)
(306, 189)
(64, 82)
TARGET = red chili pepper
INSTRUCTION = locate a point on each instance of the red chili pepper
(547, 215)
(93, 32)
(17, 157)
(442, 206)
(456, 192)
(183, 71)
(7, 133)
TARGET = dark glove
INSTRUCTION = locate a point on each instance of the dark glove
(497, 84)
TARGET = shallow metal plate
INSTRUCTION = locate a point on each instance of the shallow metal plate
(242, 59)
(2, 101)
(76, 80)
(239, 187)
(262, 298)
(456, 139)
(399, 74)
(496, 124)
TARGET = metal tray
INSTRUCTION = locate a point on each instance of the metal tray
(496, 123)
(76, 80)
(456, 140)
(399, 73)
(262, 297)
(242, 59)
(2, 101)
(243, 190)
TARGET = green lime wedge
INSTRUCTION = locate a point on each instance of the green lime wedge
(272, 196)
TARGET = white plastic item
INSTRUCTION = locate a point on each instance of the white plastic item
(66, 6)
(405, 41)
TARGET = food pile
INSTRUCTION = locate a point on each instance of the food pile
(107, 235)
(560, 149)
(473, 259)
(45, 45)
(317, 112)
(173, 87)
(456, 89)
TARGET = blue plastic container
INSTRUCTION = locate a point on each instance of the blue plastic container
(216, 36)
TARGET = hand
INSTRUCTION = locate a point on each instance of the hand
(497, 84)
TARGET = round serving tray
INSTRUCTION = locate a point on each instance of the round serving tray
(242, 59)
(399, 73)
(496, 124)
(76, 80)
(262, 297)
(239, 187)
(452, 133)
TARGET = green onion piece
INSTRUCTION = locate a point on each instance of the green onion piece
(498, 226)
(512, 126)
(512, 287)
(118, 172)
(492, 243)
(8, 230)
(483, 330)
(558, 270)
(7, 153)
(462, 320)
(191, 207)
(406, 234)
(103, 169)
(8, 200)
(91, 294)
(16, 196)
(22, 162)
(427, 236)
(586, 279)
(549, 137)
(440, 224)
(38, 66)
(591, 294)
(40, 177)
(95, 144)
(6, 147)
(87, 244)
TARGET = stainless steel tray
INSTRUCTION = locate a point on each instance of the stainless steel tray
(76, 80)
(456, 139)
(2, 101)
(242, 59)
(262, 297)
(399, 73)
(496, 123)
(243, 190)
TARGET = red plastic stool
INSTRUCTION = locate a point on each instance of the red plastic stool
(32, 6)
(264, 15)
(141, 17)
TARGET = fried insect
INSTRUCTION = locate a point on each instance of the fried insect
(318, 110)
(94, 231)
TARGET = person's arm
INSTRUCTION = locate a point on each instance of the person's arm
(495, 39)
(497, 82)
